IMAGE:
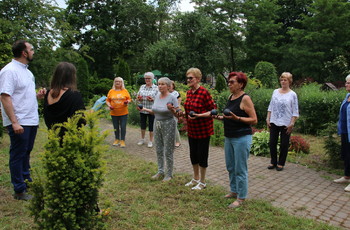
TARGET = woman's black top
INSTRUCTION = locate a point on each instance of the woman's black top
(59, 112)
(234, 128)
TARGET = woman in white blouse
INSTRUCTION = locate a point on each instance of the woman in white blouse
(282, 113)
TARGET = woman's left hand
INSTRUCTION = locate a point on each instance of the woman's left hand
(289, 129)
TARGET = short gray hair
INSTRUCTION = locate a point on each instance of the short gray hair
(347, 78)
(149, 74)
(165, 80)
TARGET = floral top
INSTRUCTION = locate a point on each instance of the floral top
(283, 106)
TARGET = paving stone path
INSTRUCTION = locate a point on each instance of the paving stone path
(299, 190)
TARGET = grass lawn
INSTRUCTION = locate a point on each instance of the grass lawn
(136, 202)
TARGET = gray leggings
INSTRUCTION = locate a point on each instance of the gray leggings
(164, 138)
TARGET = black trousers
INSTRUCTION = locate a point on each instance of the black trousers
(345, 153)
(199, 151)
(275, 132)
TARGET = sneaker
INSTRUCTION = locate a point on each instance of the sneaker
(150, 144)
(116, 142)
(347, 188)
(122, 144)
(192, 183)
(199, 186)
(167, 178)
(341, 180)
(141, 142)
(22, 196)
(157, 176)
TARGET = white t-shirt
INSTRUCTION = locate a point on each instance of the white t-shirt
(283, 106)
(18, 82)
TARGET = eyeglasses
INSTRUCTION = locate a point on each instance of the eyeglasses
(347, 83)
(189, 78)
(148, 78)
(231, 82)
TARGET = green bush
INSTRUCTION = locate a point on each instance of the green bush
(260, 144)
(66, 191)
(332, 146)
(218, 138)
(221, 84)
(134, 114)
(317, 108)
(261, 99)
(266, 73)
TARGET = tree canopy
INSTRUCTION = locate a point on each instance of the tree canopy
(305, 37)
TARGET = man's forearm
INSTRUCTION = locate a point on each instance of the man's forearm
(8, 107)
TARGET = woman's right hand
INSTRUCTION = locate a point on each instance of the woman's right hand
(268, 123)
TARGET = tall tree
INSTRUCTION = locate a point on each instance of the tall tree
(320, 49)
(198, 37)
(111, 29)
(261, 31)
(33, 20)
(226, 16)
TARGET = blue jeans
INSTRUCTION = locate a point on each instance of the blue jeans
(236, 156)
(20, 148)
(119, 124)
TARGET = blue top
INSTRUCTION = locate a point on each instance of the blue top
(344, 116)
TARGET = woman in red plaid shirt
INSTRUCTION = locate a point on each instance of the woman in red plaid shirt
(198, 105)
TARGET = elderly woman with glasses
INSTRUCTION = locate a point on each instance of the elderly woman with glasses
(145, 96)
(198, 105)
(239, 115)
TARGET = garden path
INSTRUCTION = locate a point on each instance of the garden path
(299, 190)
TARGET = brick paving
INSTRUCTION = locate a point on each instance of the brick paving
(299, 190)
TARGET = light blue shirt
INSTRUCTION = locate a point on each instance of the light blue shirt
(347, 117)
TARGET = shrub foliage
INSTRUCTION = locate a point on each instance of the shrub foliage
(299, 144)
(266, 73)
(66, 192)
(332, 145)
(260, 143)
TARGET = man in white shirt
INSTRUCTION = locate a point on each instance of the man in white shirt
(20, 116)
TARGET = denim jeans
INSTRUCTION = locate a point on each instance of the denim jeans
(119, 125)
(237, 151)
(20, 148)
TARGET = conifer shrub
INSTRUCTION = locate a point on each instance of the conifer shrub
(66, 190)
(332, 145)
(266, 73)
(221, 84)
(218, 138)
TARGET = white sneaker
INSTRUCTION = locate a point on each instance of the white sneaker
(150, 144)
(192, 183)
(347, 188)
(199, 186)
(141, 142)
(342, 180)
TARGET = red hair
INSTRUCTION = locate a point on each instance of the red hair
(241, 78)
